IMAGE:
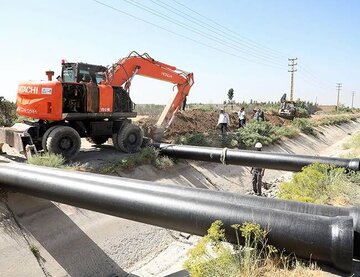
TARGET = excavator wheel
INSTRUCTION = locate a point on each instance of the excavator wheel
(45, 137)
(64, 140)
(97, 140)
(129, 138)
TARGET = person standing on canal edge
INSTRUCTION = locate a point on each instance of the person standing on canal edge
(223, 121)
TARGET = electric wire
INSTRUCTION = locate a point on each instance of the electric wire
(307, 75)
(233, 32)
(199, 32)
(183, 36)
(217, 31)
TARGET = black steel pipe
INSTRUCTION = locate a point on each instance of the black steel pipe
(327, 239)
(268, 160)
(207, 195)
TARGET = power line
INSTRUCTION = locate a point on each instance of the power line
(231, 31)
(199, 32)
(182, 36)
(305, 72)
(217, 31)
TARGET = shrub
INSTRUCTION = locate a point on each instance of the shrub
(7, 112)
(47, 159)
(304, 125)
(289, 131)
(317, 183)
(197, 139)
(256, 132)
(354, 142)
(213, 257)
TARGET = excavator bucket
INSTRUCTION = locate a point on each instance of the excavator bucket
(158, 134)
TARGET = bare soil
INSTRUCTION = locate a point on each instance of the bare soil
(202, 121)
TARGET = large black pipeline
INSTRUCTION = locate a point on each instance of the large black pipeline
(207, 195)
(268, 160)
(327, 239)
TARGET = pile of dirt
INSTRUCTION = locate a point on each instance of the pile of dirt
(200, 121)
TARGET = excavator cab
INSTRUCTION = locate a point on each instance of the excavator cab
(82, 72)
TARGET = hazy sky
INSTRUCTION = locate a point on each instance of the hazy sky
(242, 45)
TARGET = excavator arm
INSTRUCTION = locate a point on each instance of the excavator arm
(122, 73)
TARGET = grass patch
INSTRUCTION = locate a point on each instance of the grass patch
(147, 155)
(47, 159)
(322, 184)
(213, 257)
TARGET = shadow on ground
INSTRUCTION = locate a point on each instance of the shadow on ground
(72, 249)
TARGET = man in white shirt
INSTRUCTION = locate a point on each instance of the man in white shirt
(242, 117)
(223, 121)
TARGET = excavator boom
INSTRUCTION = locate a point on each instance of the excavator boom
(122, 73)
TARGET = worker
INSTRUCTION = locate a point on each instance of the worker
(257, 173)
(242, 117)
(224, 121)
(261, 115)
(256, 114)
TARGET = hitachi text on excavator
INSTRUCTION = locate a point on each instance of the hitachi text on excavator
(89, 101)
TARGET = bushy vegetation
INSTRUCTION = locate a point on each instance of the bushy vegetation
(7, 112)
(322, 184)
(47, 159)
(256, 132)
(197, 139)
(335, 120)
(213, 257)
(354, 142)
(304, 125)
(147, 155)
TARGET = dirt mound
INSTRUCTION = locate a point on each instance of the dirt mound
(200, 121)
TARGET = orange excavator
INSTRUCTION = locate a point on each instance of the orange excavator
(89, 101)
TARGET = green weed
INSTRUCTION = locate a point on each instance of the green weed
(35, 250)
(214, 257)
(147, 155)
(47, 159)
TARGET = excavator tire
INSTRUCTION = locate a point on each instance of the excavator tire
(97, 140)
(64, 140)
(130, 138)
(45, 137)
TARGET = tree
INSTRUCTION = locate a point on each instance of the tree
(230, 97)
(7, 112)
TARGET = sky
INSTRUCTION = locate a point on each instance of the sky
(242, 44)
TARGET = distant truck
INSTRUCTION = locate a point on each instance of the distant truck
(89, 101)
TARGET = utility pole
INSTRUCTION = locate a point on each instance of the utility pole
(292, 69)
(352, 99)
(338, 88)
